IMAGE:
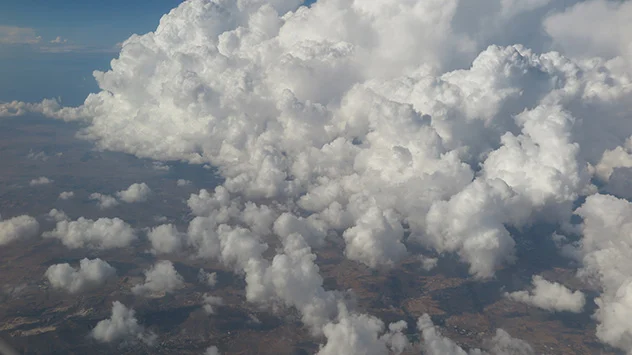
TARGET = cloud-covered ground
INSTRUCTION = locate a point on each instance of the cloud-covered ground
(385, 126)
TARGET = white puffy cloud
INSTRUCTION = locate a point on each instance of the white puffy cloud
(550, 296)
(161, 278)
(122, 326)
(428, 263)
(183, 182)
(20, 227)
(401, 142)
(57, 215)
(165, 239)
(605, 253)
(66, 195)
(59, 40)
(42, 180)
(103, 201)
(135, 193)
(104, 233)
(90, 274)
(376, 123)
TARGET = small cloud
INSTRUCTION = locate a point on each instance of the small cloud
(89, 275)
(160, 278)
(135, 193)
(66, 195)
(183, 182)
(57, 215)
(59, 40)
(122, 326)
(157, 165)
(104, 201)
(165, 239)
(550, 296)
(207, 277)
(42, 180)
(211, 301)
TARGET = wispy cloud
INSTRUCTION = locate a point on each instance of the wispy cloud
(18, 35)
(28, 38)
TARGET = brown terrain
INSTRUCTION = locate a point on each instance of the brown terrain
(37, 319)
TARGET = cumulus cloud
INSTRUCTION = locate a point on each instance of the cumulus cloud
(103, 201)
(605, 253)
(379, 124)
(122, 326)
(90, 274)
(183, 182)
(165, 239)
(104, 233)
(434, 343)
(363, 334)
(42, 180)
(66, 195)
(20, 227)
(161, 278)
(59, 40)
(57, 215)
(135, 193)
(550, 296)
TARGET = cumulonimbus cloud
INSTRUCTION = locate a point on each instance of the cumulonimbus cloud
(379, 123)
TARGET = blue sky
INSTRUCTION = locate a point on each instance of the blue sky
(36, 64)
(85, 23)
(32, 68)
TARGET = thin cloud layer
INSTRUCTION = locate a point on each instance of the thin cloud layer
(103, 201)
(381, 124)
(42, 180)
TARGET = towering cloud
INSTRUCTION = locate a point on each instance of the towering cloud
(122, 326)
(606, 254)
(377, 123)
